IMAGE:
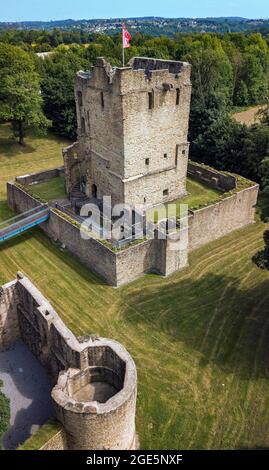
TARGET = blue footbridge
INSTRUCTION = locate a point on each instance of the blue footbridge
(23, 222)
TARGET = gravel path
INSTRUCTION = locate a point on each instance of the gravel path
(28, 387)
(250, 116)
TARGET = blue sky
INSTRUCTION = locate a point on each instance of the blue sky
(22, 10)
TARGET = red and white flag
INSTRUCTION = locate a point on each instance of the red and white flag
(126, 37)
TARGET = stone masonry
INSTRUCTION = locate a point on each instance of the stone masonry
(95, 378)
(132, 145)
(132, 132)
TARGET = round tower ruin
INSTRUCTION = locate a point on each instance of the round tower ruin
(96, 404)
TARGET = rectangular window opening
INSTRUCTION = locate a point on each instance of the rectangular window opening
(176, 157)
(79, 98)
(151, 99)
(177, 96)
(165, 155)
(165, 192)
(83, 127)
(102, 99)
(147, 161)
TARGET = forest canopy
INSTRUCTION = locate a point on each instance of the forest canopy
(228, 70)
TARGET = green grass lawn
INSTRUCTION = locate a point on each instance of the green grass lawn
(200, 338)
(50, 190)
(198, 195)
(43, 435)
(38, 154)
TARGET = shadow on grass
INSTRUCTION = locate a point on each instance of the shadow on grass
(5, 212)
(11, 148)
(227, 325)
(70, 260)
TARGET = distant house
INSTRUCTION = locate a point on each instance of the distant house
(43, 55)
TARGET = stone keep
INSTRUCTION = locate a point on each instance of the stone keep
(132, 132)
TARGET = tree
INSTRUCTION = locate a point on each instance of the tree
(241, 96)
(264, 172)
(20, 98)
(230, 146)
(58, 78)
(262, 257)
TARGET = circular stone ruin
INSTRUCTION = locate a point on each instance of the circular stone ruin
(97, 404)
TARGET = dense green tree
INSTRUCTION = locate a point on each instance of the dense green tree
(233, 147)
(58, 77)
(230, 69)
(264, 173)
(20, 98)
(241, 94)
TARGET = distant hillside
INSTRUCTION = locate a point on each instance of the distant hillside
(148, 25)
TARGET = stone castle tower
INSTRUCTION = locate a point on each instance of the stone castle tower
(132, 132)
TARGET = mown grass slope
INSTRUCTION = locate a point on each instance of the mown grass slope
(200, 338)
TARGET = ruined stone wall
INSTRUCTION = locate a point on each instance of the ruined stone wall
(99, 423)
(75, 165)
(9, 326)
(91, 252)
(57, 442)
(211, 177)
(40, 176)
(217, 220)
(88, 423)
(133, 262)
(19, 200)
(114, 430)
(118, 268)
(43, 332)
(149, 256)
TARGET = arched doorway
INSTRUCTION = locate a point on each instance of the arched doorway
(94, 190)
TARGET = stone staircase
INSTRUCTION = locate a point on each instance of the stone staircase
(77, 197)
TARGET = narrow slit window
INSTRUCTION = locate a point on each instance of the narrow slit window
(176, 157)
(102, 99)
(177, 96)
(151, 99)
(165, 155)
(83, 128)
(80, 98)
(147, 161)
